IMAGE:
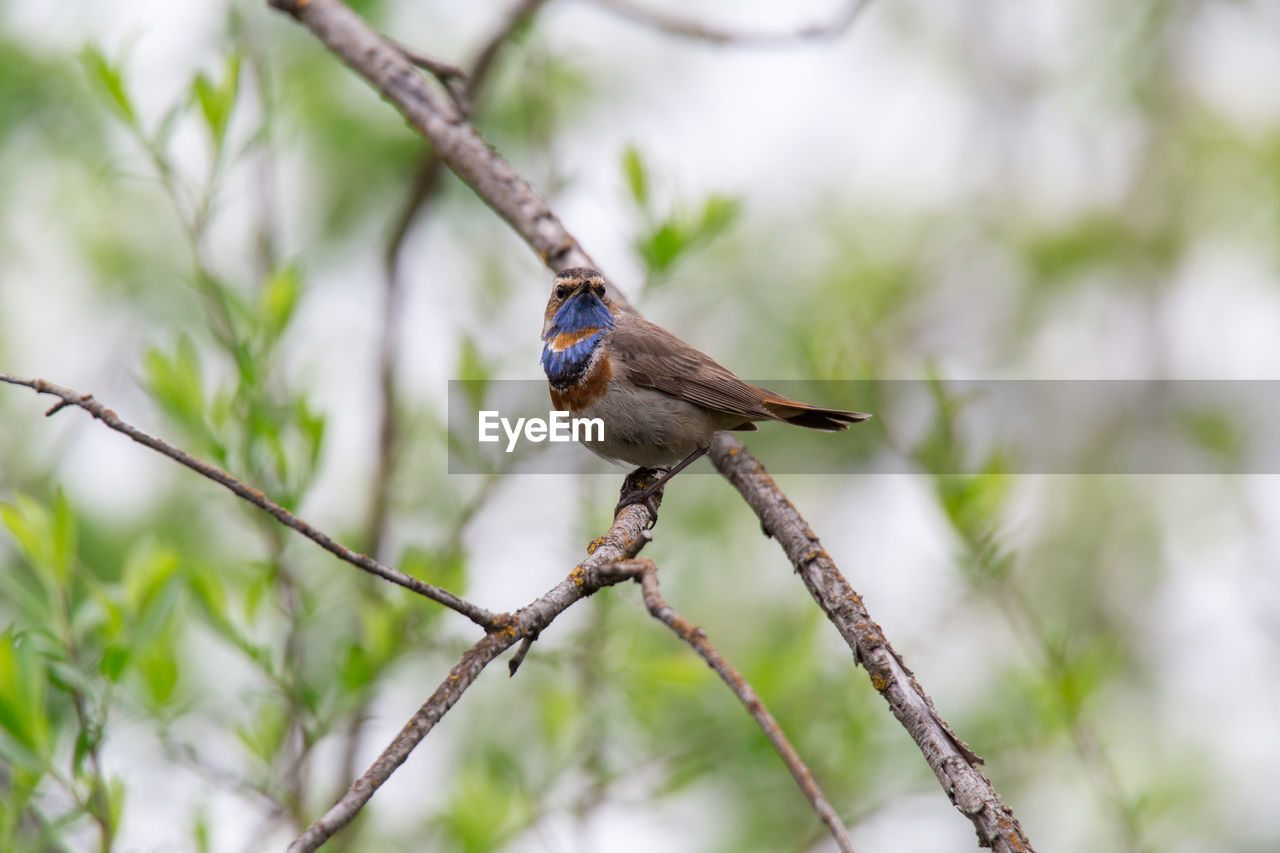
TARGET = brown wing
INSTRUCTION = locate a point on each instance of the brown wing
(654, 358)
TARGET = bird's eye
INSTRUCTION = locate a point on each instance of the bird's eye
(561, 291)
(598, 289)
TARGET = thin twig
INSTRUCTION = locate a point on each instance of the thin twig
(691, 28)
(476, 614)
(644, 572)
(951, 760)
(441, 122)
(520, 655)
(453, 78)
(625, 538)
(445, 72)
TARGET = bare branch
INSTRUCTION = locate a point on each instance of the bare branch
(646, 574)
(440, 121)
(625, 538)
(478, 615)
(951, 760)
(690, 28)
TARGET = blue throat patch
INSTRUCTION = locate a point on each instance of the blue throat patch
(579, 314)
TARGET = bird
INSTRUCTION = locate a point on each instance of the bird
(660, 399)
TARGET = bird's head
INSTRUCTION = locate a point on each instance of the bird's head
(578, 302)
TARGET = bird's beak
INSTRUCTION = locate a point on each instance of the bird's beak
(585, 287)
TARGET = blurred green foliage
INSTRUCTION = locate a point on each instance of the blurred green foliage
(252, 664)
(665, 238)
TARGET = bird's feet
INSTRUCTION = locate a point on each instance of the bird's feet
(642, 486)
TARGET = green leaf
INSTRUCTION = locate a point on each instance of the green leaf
(64, 538)
(146, 571)
(312, 426)
(114, 660)
(110, 80)
(217, 101)
(115, 799)
(202, 89)
(46, 539)
(207, 588)
(665, 239)
(30, 525)
(201, 833)
(177, 384)
(23, 716)
(354, 669)
(159, 668)
(278, 298)
(474, 371)
(719, 213)
(255, 590)
(148, 595)
(85, 742)
(634, 170)
(974, 502)
(264, 736)
(660, 249)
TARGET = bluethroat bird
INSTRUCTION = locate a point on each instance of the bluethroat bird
(660, 399)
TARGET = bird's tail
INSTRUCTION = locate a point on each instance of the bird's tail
(807, 415)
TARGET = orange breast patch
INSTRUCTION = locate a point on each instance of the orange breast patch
(587, 390)
(563, 340)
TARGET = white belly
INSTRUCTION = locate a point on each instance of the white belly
(648, 428)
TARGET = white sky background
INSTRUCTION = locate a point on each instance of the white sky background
(869, 117)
